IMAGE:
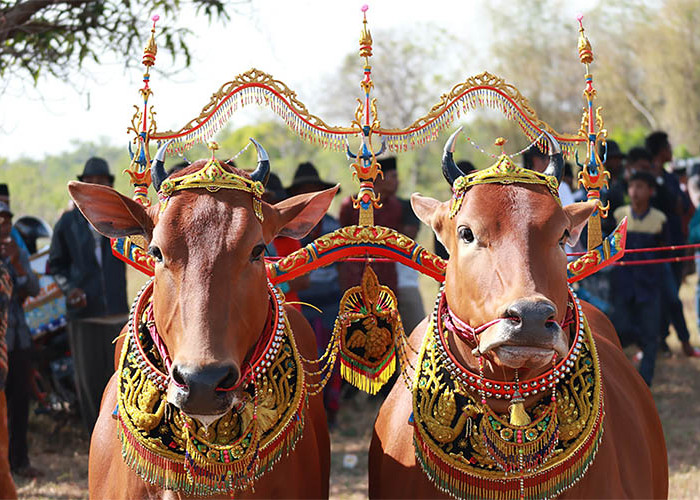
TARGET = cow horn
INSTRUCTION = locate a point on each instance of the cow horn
(556, 158)
(449, 168)
(262, 172)
(158, 173)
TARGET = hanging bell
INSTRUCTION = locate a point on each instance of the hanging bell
(518, 415)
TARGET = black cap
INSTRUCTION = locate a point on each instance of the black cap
(306, 173)
(4, 190)
(613, 150)
(5, 208)
(96, 166)
(274, 188)
(388, 164)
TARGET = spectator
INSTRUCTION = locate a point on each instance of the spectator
(636, 293)
(7, 484)
(282, 246)
(5, 198)
(389, 215)
(534, 159)
(19, 342)
(670, 200)
(617, 185)
(94, 283)
(324, 287)
(408, 292)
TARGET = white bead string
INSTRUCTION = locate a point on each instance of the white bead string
(482, 150)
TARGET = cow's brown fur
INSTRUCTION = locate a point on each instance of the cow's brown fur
(210, 304)
(519, 226)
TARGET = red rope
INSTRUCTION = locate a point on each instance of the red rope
(649, 249)
(652, 261)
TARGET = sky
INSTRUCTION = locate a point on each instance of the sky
(298, 42)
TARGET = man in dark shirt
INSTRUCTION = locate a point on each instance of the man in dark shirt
(669, 198)
(81, 260)
(636, 291)
(19, 342)
(94, 283)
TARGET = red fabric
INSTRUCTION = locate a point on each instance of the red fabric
(7, 485)
(389, 215)
(285, 246)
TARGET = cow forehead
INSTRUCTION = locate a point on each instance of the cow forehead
(504, 209)
(209, 219)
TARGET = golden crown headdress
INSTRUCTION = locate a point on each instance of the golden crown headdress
(504, 171)
(212, 177)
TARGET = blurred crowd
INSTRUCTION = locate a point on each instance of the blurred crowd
(79, 287)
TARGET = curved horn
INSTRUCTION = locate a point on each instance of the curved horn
(349, 153)
(556, 158)
(449, 168)
(158, 173)
(262, 172)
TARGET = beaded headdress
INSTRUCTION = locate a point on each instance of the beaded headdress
(504, 171)
(214, 177)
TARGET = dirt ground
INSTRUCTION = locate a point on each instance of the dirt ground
(60, 448)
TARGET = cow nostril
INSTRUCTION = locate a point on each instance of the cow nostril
(229, 380)
(551, 322)
(178, 378)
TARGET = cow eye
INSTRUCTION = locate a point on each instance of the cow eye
(257, 252)
(466, 234)
(155, 252)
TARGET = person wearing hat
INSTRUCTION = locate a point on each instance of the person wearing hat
(282, 246)
(94, 283)
(5, 198)
(19, 342)
(324, 288)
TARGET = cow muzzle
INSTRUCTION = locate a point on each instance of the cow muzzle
(203, 392)
(528, 337)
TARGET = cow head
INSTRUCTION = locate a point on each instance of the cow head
(507, 260)
(210, 295)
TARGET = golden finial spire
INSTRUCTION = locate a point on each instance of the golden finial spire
(149, 53)
(585, 52)
(365, 36)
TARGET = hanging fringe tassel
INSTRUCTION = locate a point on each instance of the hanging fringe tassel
(365, 378)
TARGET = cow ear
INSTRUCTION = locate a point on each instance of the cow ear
(578, 214)
(296, 216)
(110, 213)
(432, 212)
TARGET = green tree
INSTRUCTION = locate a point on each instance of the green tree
(56, 37)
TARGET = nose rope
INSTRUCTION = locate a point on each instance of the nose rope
(469, 334)
(160, 345)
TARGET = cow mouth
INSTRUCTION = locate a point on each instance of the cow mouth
(518, 356)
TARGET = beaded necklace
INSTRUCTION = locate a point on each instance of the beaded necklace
(499, 389)
(169, 449)
(469, 451)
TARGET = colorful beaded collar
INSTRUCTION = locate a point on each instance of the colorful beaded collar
(496, 388)
(470, 452)
(167, 448)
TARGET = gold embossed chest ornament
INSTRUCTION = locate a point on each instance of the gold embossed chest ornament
(170, 450)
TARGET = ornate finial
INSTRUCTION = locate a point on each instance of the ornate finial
(585, 52)
(365, 37)
(213, 147)
(149, 53)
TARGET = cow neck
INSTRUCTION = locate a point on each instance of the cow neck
(174, 451)
(493, 389)
(142, 320)
(468, 450)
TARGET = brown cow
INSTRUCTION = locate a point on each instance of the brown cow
(507, 261)
(210, 303)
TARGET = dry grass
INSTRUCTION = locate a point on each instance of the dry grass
(61, 450)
